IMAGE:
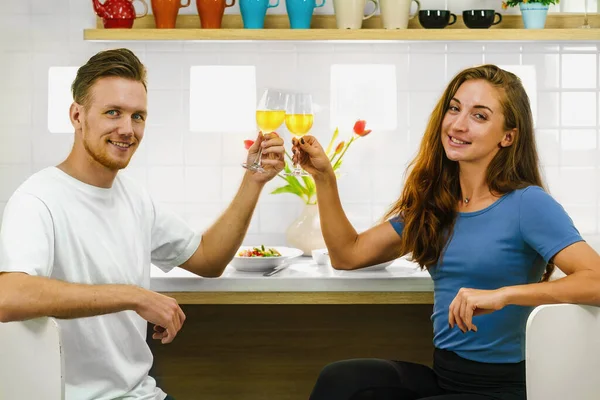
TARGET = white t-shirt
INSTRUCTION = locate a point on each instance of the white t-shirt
(59, 227)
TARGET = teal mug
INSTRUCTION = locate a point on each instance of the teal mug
(300, 12)
(254, 12)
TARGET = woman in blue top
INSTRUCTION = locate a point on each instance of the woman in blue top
(474, 213)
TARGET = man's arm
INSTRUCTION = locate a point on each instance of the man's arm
(24, 297)
(221, 241)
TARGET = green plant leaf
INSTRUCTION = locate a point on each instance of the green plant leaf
(287, 189)
(335, 135)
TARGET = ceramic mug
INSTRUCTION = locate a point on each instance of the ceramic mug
(254, 12)
(165, 12)
(211, 12)
(349, 14)
(436, 19)
(395, 14)
(300, 12)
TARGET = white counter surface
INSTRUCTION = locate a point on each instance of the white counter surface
(302, 275)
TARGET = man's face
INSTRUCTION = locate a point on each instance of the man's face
(112, 125)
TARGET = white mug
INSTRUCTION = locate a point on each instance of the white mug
(396, 13)
(349, 14)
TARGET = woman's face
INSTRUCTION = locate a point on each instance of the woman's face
(473, 125)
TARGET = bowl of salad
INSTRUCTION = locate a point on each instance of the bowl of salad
(262, 258)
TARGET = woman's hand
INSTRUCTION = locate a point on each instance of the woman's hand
(471, 302)
(311, 156)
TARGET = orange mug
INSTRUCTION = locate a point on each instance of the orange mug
(211, 12)
(165, 12)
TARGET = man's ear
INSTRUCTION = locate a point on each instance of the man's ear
(508, 139)
(75, 112)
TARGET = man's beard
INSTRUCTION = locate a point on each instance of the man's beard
(101, 155)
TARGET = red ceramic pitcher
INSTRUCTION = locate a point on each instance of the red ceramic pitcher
(118, 13)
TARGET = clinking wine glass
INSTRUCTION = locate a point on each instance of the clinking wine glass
(270, 114)
(299, 119)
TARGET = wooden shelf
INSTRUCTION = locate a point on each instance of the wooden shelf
(559, 27)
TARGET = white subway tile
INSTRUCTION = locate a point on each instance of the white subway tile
(15, 107)
(578, 108)
(165, 71)
(165, 108)
(427, 72)
(51, 149)
(19, 28)
(232, 177)
(277, 70)
(15, 8)
(363, 91)
(202, 184)
(268, 239)
(548, 111)
(2, 207)
(57, 101)
(15, 149)
(460, 61)
(54, 7)
(202, 149)
(577, 185)
(502, 58)
(579, 147)
(546, 69)
(464, 48)
(201, 216)
(234, 152)
(387, 184)
(354, 185)
(16, 71)
(584, 218)
(359, 215)
(11, 177)
(212, 103)
(579, 71)
(140, 157)
(164, 146)
(427, 48)
(503, 47)
(420, 106)
(276, 218)
(548, 144)
(49, 33)
(166, 184)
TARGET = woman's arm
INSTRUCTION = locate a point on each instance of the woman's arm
(347, 249)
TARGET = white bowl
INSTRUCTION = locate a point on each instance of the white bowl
(262, 264)
(320, 256)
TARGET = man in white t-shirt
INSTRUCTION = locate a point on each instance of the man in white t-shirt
(77, 240)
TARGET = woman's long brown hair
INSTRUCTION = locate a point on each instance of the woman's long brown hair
(428, 204)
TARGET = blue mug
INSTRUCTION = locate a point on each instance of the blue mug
(300, 12)
(254, 11)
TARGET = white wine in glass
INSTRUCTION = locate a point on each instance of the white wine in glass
(299, 119)
(270, 114)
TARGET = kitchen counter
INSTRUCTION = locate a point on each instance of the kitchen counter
(302, 282)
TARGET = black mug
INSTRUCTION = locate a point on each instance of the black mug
(481, 19)
(436, 19)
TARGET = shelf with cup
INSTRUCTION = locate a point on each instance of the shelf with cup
(559, 27)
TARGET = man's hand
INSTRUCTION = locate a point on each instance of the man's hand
(162, 311)
(272, 156)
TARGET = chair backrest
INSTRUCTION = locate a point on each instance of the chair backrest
(31, 360)
(563, 353)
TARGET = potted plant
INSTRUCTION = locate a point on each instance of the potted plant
(305, 232)
(534, 12)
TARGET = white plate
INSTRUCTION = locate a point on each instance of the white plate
(376, 267)
(262, 264)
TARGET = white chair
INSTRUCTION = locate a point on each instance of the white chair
(563, 353)
(31, 360)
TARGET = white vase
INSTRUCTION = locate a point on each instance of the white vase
(305, 232)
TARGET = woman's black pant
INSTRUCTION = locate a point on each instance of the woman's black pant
(452, 378)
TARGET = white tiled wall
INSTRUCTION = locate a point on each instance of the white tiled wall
(197, 173)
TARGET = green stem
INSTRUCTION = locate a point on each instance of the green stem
(343, 152)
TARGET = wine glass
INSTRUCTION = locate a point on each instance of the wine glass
(270, 114)
(299, 120)
(586, 22)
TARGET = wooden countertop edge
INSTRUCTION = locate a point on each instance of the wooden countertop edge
(249, 298)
